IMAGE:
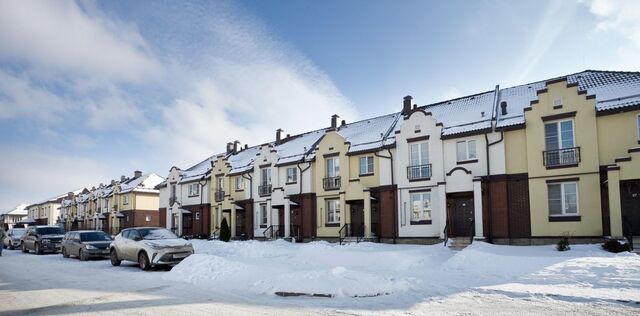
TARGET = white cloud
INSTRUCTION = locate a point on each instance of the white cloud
(62, 36)
(618, 16)
(20, 97)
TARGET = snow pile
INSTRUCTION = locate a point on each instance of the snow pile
(415, 272)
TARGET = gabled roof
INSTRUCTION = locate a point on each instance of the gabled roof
(612, 90)
(144, 183)
(369, 134)
(198, 170)
(18, 210)
(242, 161)
(466, 114)
(295, 148)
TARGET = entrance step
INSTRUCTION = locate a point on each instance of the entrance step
(350, 240)
(458, 243)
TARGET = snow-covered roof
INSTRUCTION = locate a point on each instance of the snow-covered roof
(369, 134)
(18, 210)
(242, 161)
(144, 183)
(295, 148)
(466, 114)
(612, 90)
(200, 169)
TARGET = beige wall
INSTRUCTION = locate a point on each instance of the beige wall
(516, 151)
(147, 201)
(616, 134)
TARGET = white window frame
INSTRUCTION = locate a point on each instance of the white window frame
(264, 215)
(421, 160)
(194, 189)
(335, 171)
(293, 177)
(125, 201)
(239, 183)
(559, 134)
(467, 145)
(368, 164)
(197, 216)
(563, 204)
(638, 126)
(265, 176)
(333, 208)
(420, 220)
(147, 218)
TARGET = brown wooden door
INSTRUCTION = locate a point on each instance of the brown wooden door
(357, 219)
(240, 233)
(461, 216)
(281, 223)
(296, 222)
(630, 202)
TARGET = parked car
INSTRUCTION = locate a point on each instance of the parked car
(12, 240)
(149, 247)
(86, 244)
(42, 239)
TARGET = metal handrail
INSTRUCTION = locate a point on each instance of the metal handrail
(561, 157)
(295, 231)
(264, 190)
(419, 172)
(344, 228)
(214, 234)
(446, 233)
(472, 230)
(274, 230)
(331, 183)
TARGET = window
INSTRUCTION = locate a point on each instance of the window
(173, 191)
(366, 165)
(418, 154)
(559, 135)
(638, 125)
(220, 183)
(239, 183)
(333, 211)
(264, 218)
(466, 150)
(147, 218)
(420, 208)
(194, 189)
(265, 176)
(563, 199)
(197, 216)
(333, 167)
(292, 175)
(125, 200)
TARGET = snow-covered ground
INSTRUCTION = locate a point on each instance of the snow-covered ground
(241, 278)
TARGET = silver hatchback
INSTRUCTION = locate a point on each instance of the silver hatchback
(12, 239)
(149, 247)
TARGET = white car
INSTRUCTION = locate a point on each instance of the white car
(149, 247)
(12, 239)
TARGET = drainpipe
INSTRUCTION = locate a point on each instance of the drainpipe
(302, 171)
(201, 194)
(395, 204)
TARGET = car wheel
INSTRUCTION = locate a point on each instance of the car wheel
(114, 258)
(64, 253)
(143, 261)
(11, 247)
(83, 255)
(38, 250)
(24, 248)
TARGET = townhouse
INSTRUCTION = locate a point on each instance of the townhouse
(136, 201)
(185, 204)
(12, 217)
(46, 212)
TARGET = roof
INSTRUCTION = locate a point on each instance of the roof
(144, 183)
(369, 134)
(465, 114)
(612, 90)
(18, 210)
(200, 169)
(295, 148)
(242, 161)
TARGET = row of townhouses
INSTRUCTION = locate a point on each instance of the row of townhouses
(129, 202)
(11, 218)
(523, 164)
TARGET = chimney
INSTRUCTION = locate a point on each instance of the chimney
(406, 105)
(246, 146)
(343, 123)
(137, 174)
(503, 107)
(278, 136)
(70, 195)
(235, 146)
(113, 182)
(229, 148)
(334, 120)
(122, 178)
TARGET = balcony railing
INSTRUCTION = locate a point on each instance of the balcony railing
(331, 183)
(264, 190)
(419, 172)
(561, 157)
(219, 195)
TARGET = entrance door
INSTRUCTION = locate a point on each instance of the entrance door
(460, 215)
(187, 224)
(296, 222)
(357, 219)
(630, 202)
(281, 223)
(240, 225)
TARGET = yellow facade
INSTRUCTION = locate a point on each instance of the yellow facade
(515, 151)
(617, 133)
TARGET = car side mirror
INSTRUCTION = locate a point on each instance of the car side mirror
(137, 238)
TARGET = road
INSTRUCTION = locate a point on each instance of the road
(52, 285)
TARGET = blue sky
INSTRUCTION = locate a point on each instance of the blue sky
(93, 90)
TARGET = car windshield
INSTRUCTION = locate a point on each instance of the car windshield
(157, 233)
(49, 231)
(18, 231)
(94, 236)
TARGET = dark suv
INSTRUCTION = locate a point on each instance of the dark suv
(42, 239)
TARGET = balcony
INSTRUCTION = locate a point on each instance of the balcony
(558, 158)
(219, 195)
(264, 190)
(331, 183)
(419, 172)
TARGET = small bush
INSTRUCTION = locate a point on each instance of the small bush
(615, 246)
(225, 231)
(563, 244)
